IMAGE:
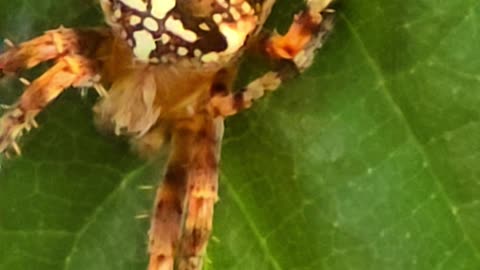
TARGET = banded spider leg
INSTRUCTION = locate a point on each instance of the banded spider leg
(183, 212)
(296, 49)
(183, 209)
(72, 51)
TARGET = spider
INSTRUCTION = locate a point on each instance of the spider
(164, 71)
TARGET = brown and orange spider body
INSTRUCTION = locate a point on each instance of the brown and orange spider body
(164, 70)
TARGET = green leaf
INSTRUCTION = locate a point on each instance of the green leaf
(370, 160)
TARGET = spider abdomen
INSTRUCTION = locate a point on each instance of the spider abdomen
(208, 32)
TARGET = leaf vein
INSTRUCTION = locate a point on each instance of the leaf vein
(416, 141)
(251, 224)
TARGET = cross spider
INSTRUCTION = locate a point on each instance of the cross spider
(164, 70)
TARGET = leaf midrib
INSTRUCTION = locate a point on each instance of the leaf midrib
(409, 128)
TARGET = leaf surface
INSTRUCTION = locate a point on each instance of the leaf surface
(370, 160)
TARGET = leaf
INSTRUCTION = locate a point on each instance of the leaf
(370, 160)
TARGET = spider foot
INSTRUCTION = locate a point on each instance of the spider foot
(72, 70)
(13, 125)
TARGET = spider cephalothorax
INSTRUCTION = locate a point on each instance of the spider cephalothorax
(208, 31)
(164, 70)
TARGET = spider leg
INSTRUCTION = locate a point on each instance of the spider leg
(168, 210)
(51, 45)
(183, 209)
(305, 35)
(295, 50)
(201, 194)
(68, 71)
(72, 51)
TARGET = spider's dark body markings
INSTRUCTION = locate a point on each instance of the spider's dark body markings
(208, 31)
(164, 70)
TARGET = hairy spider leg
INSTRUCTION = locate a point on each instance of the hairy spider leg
(295, 50)
(202, 193)
(51, 45)
(183, 209)
(168, 210)
(72, 67)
